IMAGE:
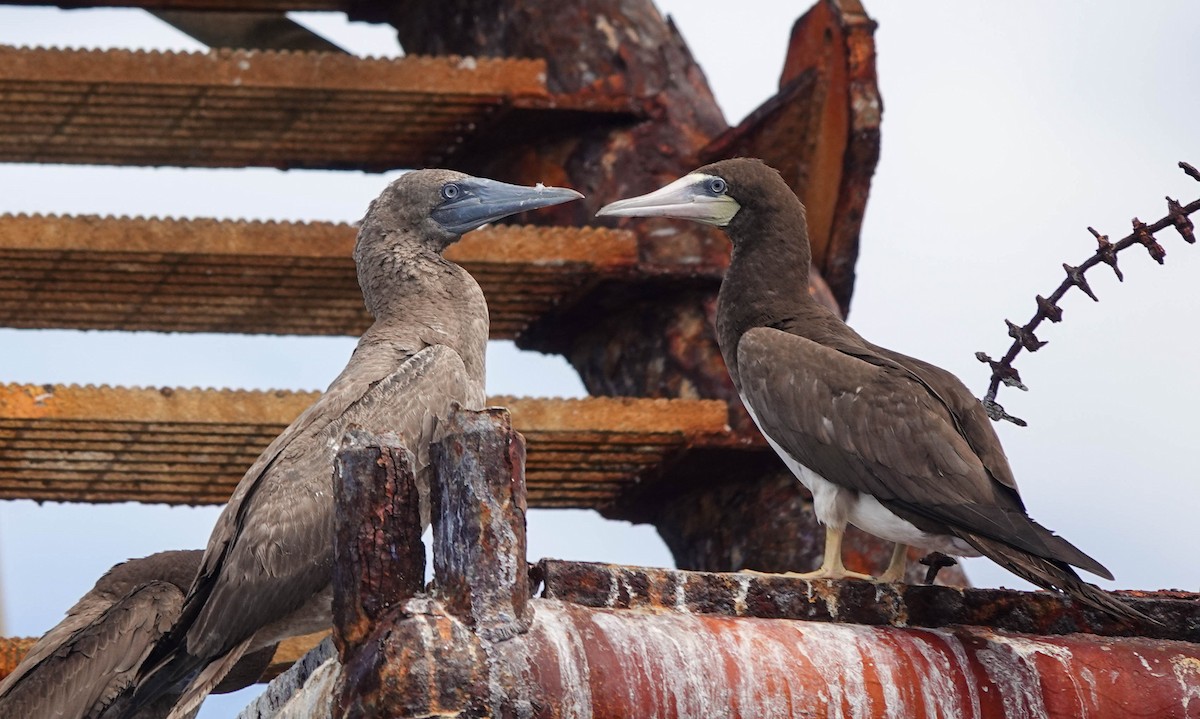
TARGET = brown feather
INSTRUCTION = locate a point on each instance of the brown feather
(267, 570)
(861, 416)
(89, 660)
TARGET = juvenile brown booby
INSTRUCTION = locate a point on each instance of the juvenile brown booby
(89, 660)
(893, 445)
(267, 570)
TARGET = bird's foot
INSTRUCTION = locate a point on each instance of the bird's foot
(821, 573)
(890, 576)
(897, 567)
(830, 573)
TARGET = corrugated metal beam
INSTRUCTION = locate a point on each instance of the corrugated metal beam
(87, 272)
(235, 108)
(191, 446)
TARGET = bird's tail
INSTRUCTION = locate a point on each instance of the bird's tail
(1053, 574)
(208, 678)
(169, 675)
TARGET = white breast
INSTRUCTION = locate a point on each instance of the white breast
(835, 506)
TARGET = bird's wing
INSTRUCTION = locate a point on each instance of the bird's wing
(85, 612)
(970, 419)
(94, 663)
(869, 427)
(277, 553)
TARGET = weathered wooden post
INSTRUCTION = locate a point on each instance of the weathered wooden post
(478, 500)
(405, 653)
(379, 558)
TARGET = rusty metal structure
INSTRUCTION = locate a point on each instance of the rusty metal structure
(603, 96)
(609, 641)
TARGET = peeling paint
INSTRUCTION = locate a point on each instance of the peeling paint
(739, 599)
(1187, 671)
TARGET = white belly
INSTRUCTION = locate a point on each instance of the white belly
(836, 506)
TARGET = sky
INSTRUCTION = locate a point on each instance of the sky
(1007, 130)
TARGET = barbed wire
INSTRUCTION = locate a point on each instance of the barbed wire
(1023, 336)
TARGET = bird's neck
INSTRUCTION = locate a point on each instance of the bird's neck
(766, 284)
(418, 298)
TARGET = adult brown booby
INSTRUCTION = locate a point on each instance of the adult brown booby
(267, 570)
(893, 445)
(89, 660)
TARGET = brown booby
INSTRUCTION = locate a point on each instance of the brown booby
(89, 660)
(893, 445)
(266, 573)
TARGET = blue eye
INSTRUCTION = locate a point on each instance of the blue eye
(717, 186)
(450, 191)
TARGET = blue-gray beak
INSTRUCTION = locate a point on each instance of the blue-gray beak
(475, 201)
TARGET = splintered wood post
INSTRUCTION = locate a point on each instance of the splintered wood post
(379, 560)
(478, 509)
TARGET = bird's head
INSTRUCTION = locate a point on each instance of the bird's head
(438, 206)
(725, 194)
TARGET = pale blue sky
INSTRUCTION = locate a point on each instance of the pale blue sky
(1008, 128)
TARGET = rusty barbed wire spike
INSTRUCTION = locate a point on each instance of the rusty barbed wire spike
(997, 413)
(1182, 222)
(1025, 336)
(1142, 234)
(1011, 378)
(1075, 276)
(936, 561)
(1052, 311)
(1107, 252)
(1178, 215)
(1005, 372)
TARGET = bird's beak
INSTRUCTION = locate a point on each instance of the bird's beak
(688, 198)
(481, 201)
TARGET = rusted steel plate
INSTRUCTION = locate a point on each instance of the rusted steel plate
(855, 602)
(191, 446)
(822, 132)
(235, 108)
(88, 272)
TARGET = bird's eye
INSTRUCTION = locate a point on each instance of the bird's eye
(451, 191)
(717, 186)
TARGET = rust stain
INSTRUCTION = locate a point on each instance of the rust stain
(601, 662)
(902, 605)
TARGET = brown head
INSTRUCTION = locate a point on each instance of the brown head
(424, 212)
(745, 196)
(767, 280)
